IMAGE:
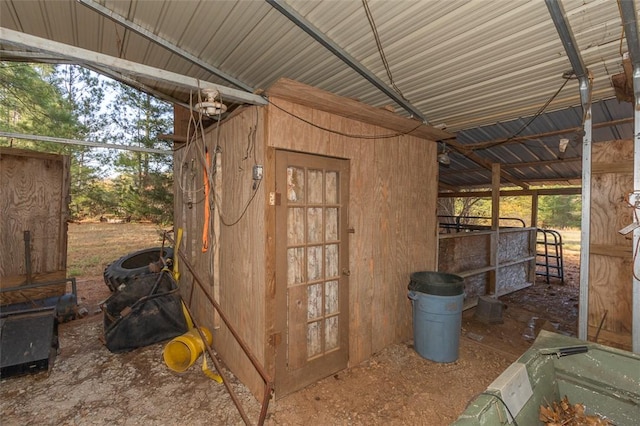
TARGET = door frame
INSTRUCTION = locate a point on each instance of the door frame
(287, 381)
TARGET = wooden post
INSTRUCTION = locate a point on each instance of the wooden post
(534, 235)
(495, 227)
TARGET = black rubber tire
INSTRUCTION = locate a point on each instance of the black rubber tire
(133, 265)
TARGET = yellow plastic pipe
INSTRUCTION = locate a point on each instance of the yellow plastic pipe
(181, 352)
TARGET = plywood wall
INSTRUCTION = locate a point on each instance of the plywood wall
(611, 260)
(233, 267)
(392, 213)
(34, 197)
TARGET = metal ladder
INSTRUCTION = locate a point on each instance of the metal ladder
(549, 254)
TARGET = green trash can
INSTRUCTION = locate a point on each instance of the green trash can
(437, 300)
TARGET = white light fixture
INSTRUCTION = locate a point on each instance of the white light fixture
(211, 107)
(562, 148)
(564, 142)
(443, 157)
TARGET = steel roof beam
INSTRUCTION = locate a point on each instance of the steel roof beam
(17, 38)
(329, 44)
(487, 164)
(561, 22)
(124, 79)
(53, 59)
(164, 43)
(65, 141)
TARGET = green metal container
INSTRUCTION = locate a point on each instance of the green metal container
(604, 379)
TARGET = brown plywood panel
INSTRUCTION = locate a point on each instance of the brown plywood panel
(242, 240)
(20, 296)
(361, 243)
(34, 197)
(238, 282)
(610, 152)
(384, 249)
(610, 292)
(610, 211)
(610, 260)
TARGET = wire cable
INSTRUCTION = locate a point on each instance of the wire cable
(503, 403)
(376, 36)
(347, 135)
(531, 120)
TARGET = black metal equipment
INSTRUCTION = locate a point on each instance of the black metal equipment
(28, 341)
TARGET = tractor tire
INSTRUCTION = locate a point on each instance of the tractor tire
(134, 264)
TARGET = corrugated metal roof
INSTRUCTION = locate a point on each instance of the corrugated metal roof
(476, 66)
(536, 159)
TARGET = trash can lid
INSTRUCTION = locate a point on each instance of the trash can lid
(437, 283)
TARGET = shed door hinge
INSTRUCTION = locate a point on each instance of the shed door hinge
(274, 198)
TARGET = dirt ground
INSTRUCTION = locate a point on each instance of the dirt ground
(88, 385)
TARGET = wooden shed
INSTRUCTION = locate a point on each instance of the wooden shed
(311, 260)
(34, 199)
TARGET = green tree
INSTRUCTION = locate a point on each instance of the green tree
(85, 91)
(145, 179)
(30, 104)
(559, 211)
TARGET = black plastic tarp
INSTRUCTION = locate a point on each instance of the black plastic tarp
(147, 310)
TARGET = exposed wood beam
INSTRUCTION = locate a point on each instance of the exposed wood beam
(155, 38)
(27, 41)
(448, 187)
(514, 166)
(290, 13)
(559, 180)
(484, 163)
(513, 193)
(313, 97)
(509, 141)
(39, 57)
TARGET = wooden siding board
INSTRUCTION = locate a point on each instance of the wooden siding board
(242, 256)
(241, 249)
(270, 256)
(360, 249)
(384, 246)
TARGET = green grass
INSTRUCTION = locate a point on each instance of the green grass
(570, 240)
(92, 246)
